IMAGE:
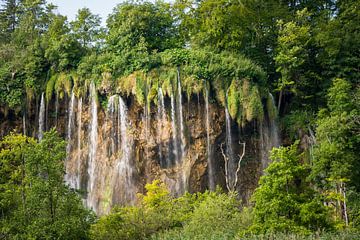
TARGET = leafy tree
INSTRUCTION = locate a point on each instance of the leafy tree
(8, 19)
(42, 206)
(63, 50)
(247, 27)
(336, 165)
(152, 22)
(155, 212)
(217, 216)
(12, 168)
(138, 29)
(339, 40)
(284, 200)
(86, 27)
(292, 53)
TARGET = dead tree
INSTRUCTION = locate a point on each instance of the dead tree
(231, 186)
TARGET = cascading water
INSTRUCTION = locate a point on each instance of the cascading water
(24, 125)
(112, 114)
(79, 137)
(147, 123)
(210, 163)
(41, 117)
(56, 108)
(145, 120)
(269, 132)
(174, 130)
(107, 154)
(229, 148)
(93, 139)
(70, 178)
(179, 184)
(181, 118)
(71, 122)
(124, 166)
(275, 136)
(123, 129)
(161, 118)
(184, 176)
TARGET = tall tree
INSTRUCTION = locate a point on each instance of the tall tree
(87, 27)
(337, 163)
(339, 39)
(152, 22)
(62, 50)
(9, 18)
(292, 53)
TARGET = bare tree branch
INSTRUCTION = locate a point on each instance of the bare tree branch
(226, 159)
(239, 164)
(232, 186)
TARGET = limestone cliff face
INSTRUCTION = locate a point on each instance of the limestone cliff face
(115, 149)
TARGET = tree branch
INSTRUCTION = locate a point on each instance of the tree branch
(239, 164)
(226, 159)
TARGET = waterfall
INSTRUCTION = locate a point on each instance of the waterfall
(123, 129)
(275, 135)
(229, 148)
(210, 166)
(41, 117)
(181, 117)
(70, 178)
(24, 124)
(174, 130)
(160, 131)
(124, 166)
(93, 139)
(269, 132)
(112, 112)
(71, 122)
(56, 108)
(264, 142)
(147, 122)
(79, 115)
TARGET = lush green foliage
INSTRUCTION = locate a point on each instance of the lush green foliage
(284, 200)
(336, 165)
(156, 212)
(35, 202)
(192, 216)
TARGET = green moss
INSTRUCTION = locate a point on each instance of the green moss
(30, 93)
(244, 101)
(63, 84)
(234, 79)
(140, 88)
(126, 85)
(233, 99)
(153, 94)
(220, 92)
(50, 86)
(168, 79)
(192, 85)
(255, 106)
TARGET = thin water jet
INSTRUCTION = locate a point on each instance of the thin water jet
(210, 163)
(41, 117)
(93, 139)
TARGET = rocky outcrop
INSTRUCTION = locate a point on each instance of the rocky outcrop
(137, 144)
